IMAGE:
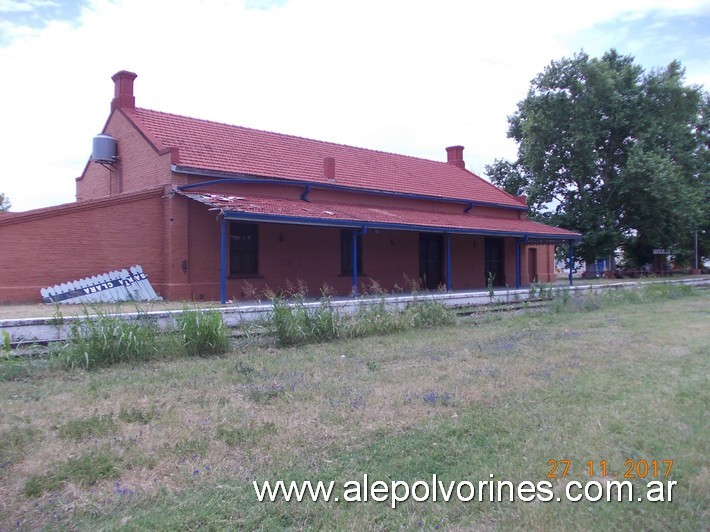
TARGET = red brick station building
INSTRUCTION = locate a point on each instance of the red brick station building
(219, 212)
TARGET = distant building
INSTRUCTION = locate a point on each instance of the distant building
(214, 211)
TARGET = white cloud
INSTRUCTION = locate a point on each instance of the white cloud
(13, 6)
(404, 76)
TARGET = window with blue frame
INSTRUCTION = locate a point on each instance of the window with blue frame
(346, 252)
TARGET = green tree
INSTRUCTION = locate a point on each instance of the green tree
(613, 152)
(4, 202)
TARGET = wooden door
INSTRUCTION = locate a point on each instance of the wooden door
(431, 260)
(494, 260)
(532, 266)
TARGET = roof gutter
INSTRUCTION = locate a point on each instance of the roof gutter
(226, 177)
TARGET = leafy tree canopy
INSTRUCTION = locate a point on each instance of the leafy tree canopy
(616, 153)
(4, 202)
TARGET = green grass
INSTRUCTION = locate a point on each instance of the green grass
(104, 338)
(137, 415)
(617, 377)
(293, 322)
(82, 429)
(108, 339)
(86, 471)
(13, 369)
(15, 442)
(248, 435)
(203, 333)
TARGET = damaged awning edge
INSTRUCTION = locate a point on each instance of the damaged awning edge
(536, 238)
(528, 237)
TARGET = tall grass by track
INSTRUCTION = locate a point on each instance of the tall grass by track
(202, 333)
(106, 339)
(294, 321)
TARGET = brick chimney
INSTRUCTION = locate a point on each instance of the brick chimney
(329, 168)
(123, 90)
(522, 199)
(454, 155)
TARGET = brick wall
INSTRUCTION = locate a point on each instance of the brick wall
(175, 220)
(467, 262)
(59, 244)
(544, 258)
(140, 166)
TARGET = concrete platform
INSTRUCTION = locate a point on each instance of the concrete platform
(56, 328)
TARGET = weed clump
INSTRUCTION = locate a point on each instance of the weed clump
(135, 415)
(430, 314)
(248, 435)
(83, 429)
(296, 322)
(107, 339)
(564, 300)
(203, 333)
(86, 470)
(266, 392)
(14, 442)
(13, 370)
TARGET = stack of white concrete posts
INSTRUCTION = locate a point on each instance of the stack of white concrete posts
(119, 285)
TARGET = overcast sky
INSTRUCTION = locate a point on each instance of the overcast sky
(406, 76)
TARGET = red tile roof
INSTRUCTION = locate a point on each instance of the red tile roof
(223, 148)
(268, 208)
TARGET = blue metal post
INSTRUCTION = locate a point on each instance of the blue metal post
(571, 260)
(223, 262)
(355, 233)
(517, 263)
(447, 239)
